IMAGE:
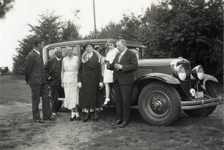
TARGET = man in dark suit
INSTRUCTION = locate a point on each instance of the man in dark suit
(124, 65)
(53, 69)
(36, 77)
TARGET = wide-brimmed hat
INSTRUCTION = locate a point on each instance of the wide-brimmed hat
(86, 44)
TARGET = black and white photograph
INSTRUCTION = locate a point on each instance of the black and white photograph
(111, 75)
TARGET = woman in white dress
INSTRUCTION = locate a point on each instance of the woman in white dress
(108, 74)
(69, 78)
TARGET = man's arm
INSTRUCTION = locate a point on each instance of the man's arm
(28, 67)
(111, 66)
(48, 70)
(133, 65)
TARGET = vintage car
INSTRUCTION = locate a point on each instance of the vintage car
(162, 87)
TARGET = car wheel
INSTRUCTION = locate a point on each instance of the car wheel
(204, 112)
(159, 104)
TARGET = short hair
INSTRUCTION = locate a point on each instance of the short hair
(111, 41)
(122, 41)
(58, 49)
(37, 42)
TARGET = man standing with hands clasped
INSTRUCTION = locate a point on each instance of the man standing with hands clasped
(53, 69)
(36, 77)
(124, 65)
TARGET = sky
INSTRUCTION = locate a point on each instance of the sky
(14, 27)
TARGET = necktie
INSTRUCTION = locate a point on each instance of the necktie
(119, 58)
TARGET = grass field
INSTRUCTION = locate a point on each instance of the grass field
(18, 131)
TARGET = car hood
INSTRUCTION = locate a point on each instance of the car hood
(161, 61)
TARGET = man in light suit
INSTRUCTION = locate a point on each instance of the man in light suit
(53, 69)
(124, 65)
(36, 78)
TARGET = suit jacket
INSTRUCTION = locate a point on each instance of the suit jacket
(34, 69)
(50, 68)
(129, 63)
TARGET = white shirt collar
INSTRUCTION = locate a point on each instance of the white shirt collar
(124, 51)
(57, 58)
(37, 51)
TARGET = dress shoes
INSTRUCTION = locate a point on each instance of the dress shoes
(117, 122)
(124, 124)
(87, 117)
(78, 118)
(51, 118)
(38, 121)
(72, 118)
(56, 115)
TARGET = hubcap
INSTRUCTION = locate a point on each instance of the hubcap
(158, 104)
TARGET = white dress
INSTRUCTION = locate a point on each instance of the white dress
(108, 74)
(70, 80)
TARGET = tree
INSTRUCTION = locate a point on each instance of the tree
(131, 26)
(188, 28)
(5, 6)
(50, 30)
(111, 30)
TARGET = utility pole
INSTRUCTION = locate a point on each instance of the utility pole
(94, 17)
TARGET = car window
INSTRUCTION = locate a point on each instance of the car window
(136, 51)
(53, 50)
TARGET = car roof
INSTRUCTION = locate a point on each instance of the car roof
(95, 42)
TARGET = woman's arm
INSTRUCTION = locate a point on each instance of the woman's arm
(79, 73)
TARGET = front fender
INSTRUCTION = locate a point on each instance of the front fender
(209, 78)
(160, 76)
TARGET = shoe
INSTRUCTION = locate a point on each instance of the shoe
(78, 118)
(110, 103)
(38, 121)
(51, 118)
(87, 117)
(58, 115)
(124, 124)
(72, 118)
(118, 122)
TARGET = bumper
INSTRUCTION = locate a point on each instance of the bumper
(188, 105)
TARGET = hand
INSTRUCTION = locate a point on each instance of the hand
(101, 85)
(107, 62)
(49, 78)
(118, 66)
(62, 85)
(79, 85)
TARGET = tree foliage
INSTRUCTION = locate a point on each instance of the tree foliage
(5, 6)
(192, 29)
(51, 30)
(188, 28)
(111, 30)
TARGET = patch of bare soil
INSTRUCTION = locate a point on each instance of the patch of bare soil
(19, 132)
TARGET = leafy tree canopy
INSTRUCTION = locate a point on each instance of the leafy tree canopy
(5, 6)
(51, 30)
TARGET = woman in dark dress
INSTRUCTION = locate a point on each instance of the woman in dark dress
(90, 82)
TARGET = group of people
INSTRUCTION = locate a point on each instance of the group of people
(82, 80)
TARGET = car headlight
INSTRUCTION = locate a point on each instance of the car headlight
(180, 72)
(198, 72)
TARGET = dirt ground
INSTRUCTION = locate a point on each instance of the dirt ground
(19, 132)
